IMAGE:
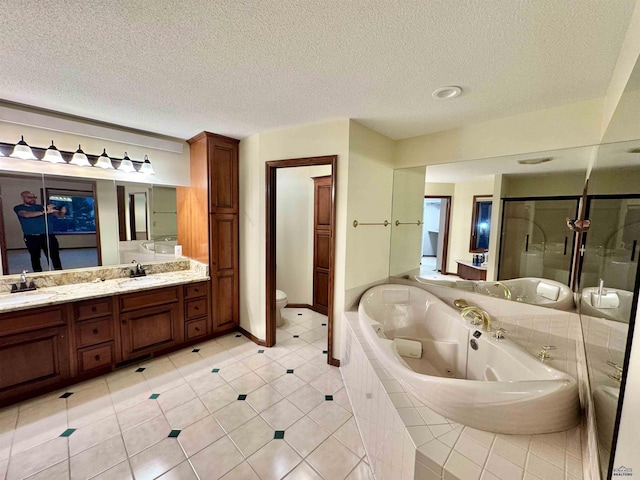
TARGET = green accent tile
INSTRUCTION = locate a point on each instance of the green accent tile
(324, 324)
(141, 369)
(238, 336)
(325, 352)
(278, 435)
(67, 432)
(296, 336)
(299, 314)
(215, 370)
(290, 370)
(260, 351)
(195, 350)
(154, 396)
(328, 398)
(242, 397)
(174, 433)
(66, 395)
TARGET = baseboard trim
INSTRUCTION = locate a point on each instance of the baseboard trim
(299, 305)
(252, 337)
(334, 362)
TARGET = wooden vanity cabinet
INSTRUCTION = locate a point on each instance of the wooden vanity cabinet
(96, 336)
(208, 227)
(34, 352)
(150, 321)
(197, 322)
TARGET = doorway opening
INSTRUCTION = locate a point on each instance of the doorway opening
(435, 235)
(322, 250)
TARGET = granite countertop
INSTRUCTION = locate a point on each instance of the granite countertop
(54, 295)
(470, 264)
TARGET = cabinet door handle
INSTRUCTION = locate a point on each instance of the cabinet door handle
(94, 309)
(124, 322)
(196, 308)
(197, 329)
(95, 331)
(97, 357)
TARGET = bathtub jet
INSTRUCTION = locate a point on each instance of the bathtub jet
(464, 373)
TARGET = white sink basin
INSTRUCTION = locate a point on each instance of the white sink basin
(141, 282)
(21, 298)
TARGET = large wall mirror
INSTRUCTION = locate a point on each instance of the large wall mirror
(534, 254)
(58, 223)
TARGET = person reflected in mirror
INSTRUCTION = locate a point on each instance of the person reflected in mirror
(36, 230)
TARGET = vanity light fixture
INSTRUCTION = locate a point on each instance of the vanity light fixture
(126, 165)
(80, 158)
(52, 155)
(535, 161)
(146, 167)
(446, 93)
(22, 150)
(104, 161)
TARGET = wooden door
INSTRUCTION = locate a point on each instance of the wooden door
(39, 359)
(149, 329)
(322, 242)
(225, 296)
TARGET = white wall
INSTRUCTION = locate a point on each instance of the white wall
(461, 215)
(294, 231)
(431, 227)
(108, 217)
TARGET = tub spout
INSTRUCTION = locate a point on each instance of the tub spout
(479, 317)
(507, 292)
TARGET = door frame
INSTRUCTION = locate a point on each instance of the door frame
(445, 239)
(271, 168)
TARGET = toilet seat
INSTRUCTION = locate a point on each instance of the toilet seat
(280, 296)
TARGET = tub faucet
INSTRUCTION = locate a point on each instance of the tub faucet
(507, 292)
(479, 317)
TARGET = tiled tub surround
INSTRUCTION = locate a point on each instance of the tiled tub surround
(405, 439)
(226, 408)
(85, 284)
(454, 378)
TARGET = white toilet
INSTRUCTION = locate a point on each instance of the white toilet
(281, 302)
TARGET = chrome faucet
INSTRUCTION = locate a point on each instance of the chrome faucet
(479, 316)
(601, 291)
(23, 286)
(23, 276)
(507, 292)
(617, 376)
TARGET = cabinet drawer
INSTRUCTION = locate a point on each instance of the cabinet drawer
(94, 332)
(149, 298)
(94, 357)
(196, 308)
(195, 329)
(196, 290)
(93, 309)
(35, 318)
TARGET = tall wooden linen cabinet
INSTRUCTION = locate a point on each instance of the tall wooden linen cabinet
(208, 222)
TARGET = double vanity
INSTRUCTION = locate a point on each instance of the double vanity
(75, 326)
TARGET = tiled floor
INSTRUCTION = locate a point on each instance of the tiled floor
(428, 270)
(224, 409)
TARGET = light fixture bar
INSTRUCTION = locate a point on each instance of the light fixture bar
(22, 150)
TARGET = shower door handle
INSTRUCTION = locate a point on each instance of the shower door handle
(566, 240)
(526, 243)
(633, 250)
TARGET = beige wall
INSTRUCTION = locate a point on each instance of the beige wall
(544, 185)
(329, 138)
(461, 215)
(171, 168)
(565, 126)
(369, 201)
(408, 206)
(439, 189)
(294, 231)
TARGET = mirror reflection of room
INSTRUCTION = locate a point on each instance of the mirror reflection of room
(62, 232)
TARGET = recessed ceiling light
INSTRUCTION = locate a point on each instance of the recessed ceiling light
(447, 92)
(535, 161)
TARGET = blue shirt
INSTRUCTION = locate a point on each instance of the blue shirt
(32, 225)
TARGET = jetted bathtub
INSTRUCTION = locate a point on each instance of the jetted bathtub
(497, 387)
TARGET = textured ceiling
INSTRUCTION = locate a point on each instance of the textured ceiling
(241, 67)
